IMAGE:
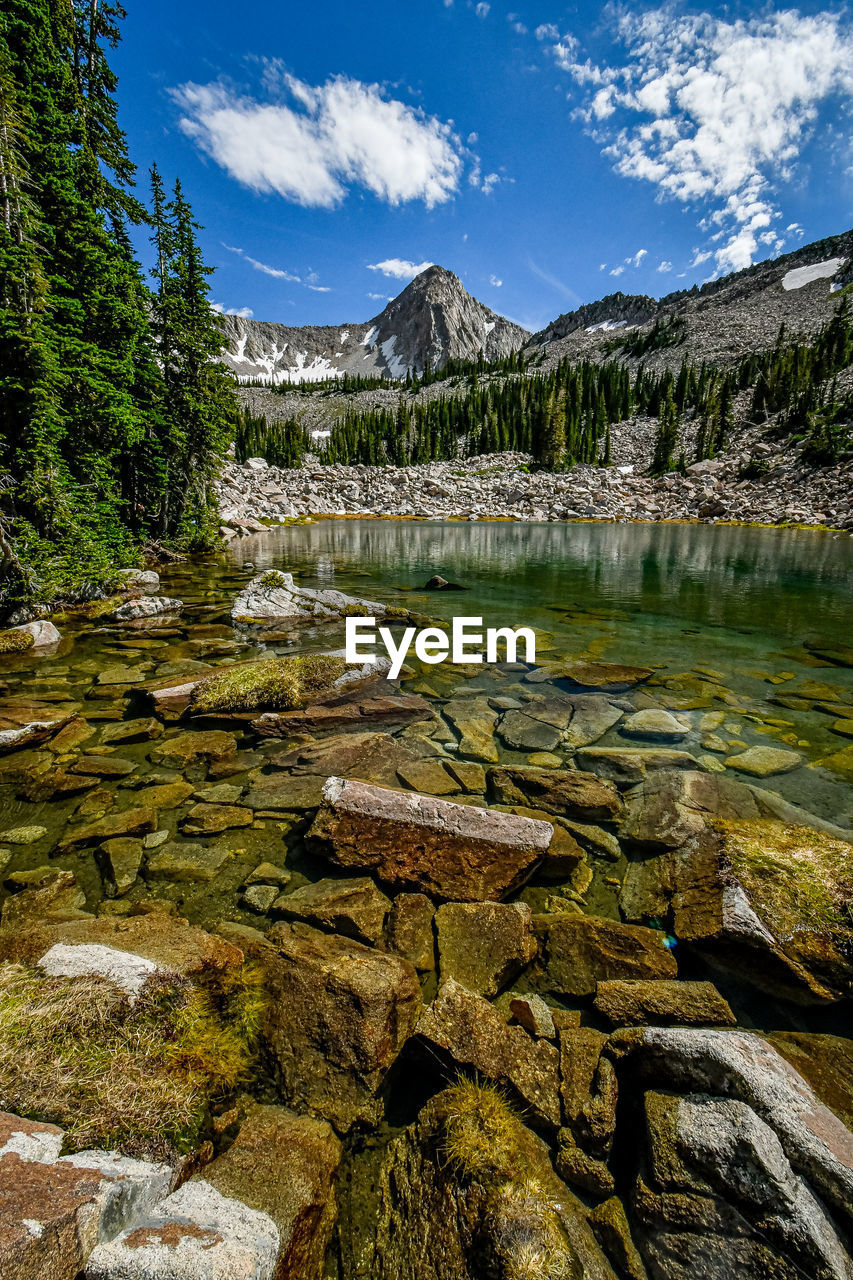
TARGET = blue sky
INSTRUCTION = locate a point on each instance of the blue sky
(547, 153)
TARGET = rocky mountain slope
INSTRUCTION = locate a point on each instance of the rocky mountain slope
(432, 321)
(718, 321)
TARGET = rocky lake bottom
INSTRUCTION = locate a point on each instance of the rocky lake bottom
(617, 913)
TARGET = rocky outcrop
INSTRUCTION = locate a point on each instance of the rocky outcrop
(275, 595)
(413, 841)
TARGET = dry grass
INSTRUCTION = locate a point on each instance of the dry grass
(137, 1077)
(276, 684)
(480, 1131)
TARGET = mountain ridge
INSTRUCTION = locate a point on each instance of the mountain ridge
(433, 320)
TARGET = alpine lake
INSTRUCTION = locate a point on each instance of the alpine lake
(748, 633)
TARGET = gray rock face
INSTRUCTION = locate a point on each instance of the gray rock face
(432, 321)
(147, 607)
(276, 595)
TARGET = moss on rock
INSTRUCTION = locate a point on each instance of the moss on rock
(276, 684)
(15, 641)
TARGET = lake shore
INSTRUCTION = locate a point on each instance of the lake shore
(747, 487)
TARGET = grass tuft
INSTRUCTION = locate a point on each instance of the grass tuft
(140, 1078)
(276, 684)
(15, 641)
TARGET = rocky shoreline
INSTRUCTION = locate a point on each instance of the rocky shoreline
(782, 490)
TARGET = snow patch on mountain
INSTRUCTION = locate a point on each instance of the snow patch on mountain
(800, 276)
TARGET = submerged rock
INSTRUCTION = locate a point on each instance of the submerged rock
(581, 674)
(565, 791)
(483, 946)
(355, 908)
(419, 842)
(580, 951)
(660, 726)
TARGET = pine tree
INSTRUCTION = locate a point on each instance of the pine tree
(667, 435)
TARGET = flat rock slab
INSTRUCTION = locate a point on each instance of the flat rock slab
(763, 762)
(400, 709)
(355, 908)
(662, 1003)
(669, 807)
(371, 757)
(276, 595)
(140, 730)
(128, 971)
(339, 1014)
(560, 791)
(54, 1209)
(133, 822)
(473, 1033)
(484, 945)
(658, 726)
(581, 951)
(626, 765)
(285, 793)
(414, 841)
(183, 862)
(606, 676)
(525, 733)
(208, 819)
(186, 748)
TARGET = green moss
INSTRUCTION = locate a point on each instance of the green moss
(276, 684)
(794, 876)
(15, 641)
(138, 1077)
(273, 579)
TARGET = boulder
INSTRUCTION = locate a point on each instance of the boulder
(580, 951)
(669, 807)
(627, 765)
(473, 1034)
(655, 725)
(339, 1014)
(524, 733)
(44, 633)
(276, 595)
(54, 1209)
(662, 1002)
(532, 1013)
(763, 762)
(119, 861)
(559, 791)
(484, 945)
(589, 1090)
(740, 1065)
(147, 607)
(355, 908)
(187, 748)
(417, 842)
(580, 674)
(183, 862)
(592, 716)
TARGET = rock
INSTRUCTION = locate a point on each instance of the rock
(44, 633)
(483, 946)
(826, 1062)
(102, 766)
(610, 1226)
(371, 757)
(589, 1090)
(762, 762)
(366, 710)
(22, 835)
(339, 1014)
(142, 579)
(355, 908)
(662, 1002)
(418, 842)
(578, 795)
(592, 716)
(725, 1183)
(669, 807)
(59, 898)
(582, 1170)
(609, 676)
(840, 762)
(141, 730)
(410, 930)
(285, 793)
(119, 861)
(276, 595)
(33, 878)
(195, 1232)
(207, 819)
(532, 1013)
(581, 951)
(269, 873)
(742, 1066)
(31, 733)
(185, 863)
(627, 765)
(166, 795)
(430, 777)
(524, 733)
(474, 721)
(473, 1033)
(187, 748)
(56, 1208)
(437, 583)
(172, 700)
(218, 793)
(120, 675)
(147, 607)
(259, 897)
(132, 822)
(659, 726)
(130, 972)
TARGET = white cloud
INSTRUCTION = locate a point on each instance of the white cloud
(381, 297)
(547, 31)
(482, 9)
(399, 268)
(713, 112)
(245, 313)
(493, 280)
(664, 266)
(278, 273)
(617, 271)
(311, 145)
